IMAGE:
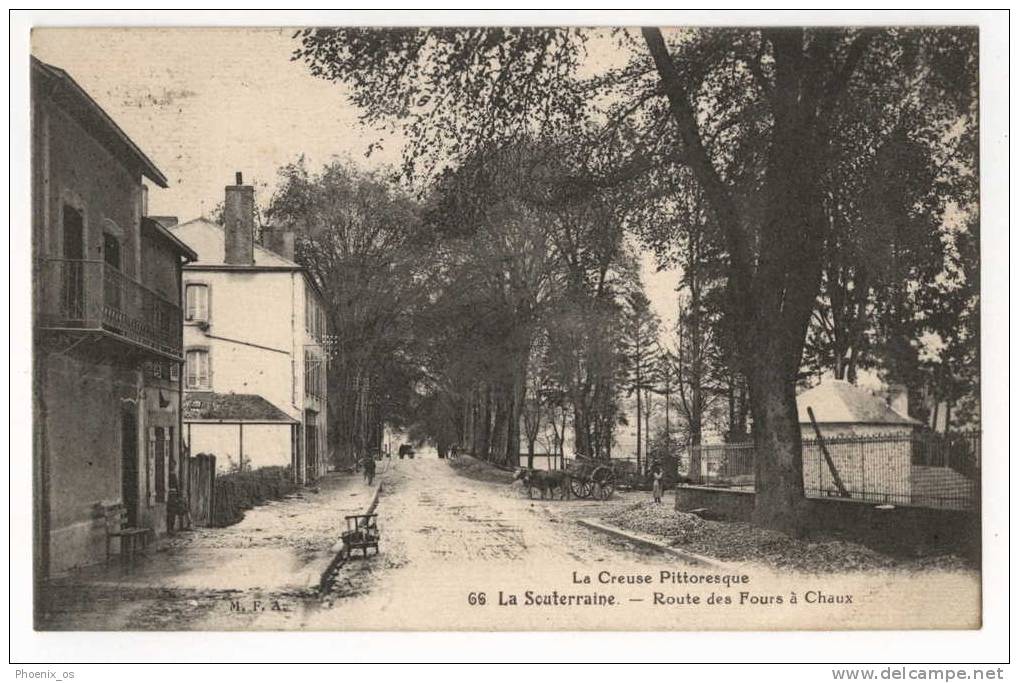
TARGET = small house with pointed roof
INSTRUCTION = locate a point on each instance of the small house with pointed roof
(869, 442)
(844, 409)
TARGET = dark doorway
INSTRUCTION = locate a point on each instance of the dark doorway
(72, 276)
(111, 283)
(311, 444)
(129, 464)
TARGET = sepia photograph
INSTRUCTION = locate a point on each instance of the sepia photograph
(506, 328)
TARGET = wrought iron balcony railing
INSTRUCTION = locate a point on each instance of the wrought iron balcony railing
(92, 296)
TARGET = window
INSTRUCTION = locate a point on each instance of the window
(314, 316)
(174, 372)
(197, 302)
(313, 375)
(112, 285)
(111, 250)
(197, 374)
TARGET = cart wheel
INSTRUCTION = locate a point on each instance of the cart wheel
(606, 489)
(581, 489)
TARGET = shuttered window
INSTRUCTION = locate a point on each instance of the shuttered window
(197, 303)
(197, 375)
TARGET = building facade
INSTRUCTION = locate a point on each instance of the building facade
(254, 326)
(107, 329)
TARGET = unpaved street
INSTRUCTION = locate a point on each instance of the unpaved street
(448, 536)
(462, 548)
(265, 569)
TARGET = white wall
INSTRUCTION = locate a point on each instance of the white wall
(251, 335)
(264, 445)
(866, 468)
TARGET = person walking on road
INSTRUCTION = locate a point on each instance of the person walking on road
(369, 469)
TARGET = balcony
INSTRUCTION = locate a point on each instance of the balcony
(89, 296)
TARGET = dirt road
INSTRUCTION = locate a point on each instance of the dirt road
(448, 538)
(466, 549)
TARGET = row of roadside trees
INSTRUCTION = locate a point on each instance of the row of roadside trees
(816, 187)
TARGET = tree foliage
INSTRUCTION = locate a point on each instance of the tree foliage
(765, 126)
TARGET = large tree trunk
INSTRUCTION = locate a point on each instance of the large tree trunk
(775, 293)
(581, 431)
(779, 467)
(484, 425)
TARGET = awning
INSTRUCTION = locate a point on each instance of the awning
(232, 409)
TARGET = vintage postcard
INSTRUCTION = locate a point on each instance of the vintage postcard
(502, 328)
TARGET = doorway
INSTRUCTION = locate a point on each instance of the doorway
(311, 444)
(129, 464)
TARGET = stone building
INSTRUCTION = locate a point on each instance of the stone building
(107, 329)
(254, 327)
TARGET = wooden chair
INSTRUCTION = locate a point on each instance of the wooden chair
(115, 518)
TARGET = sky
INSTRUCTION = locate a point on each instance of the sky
(203, 103)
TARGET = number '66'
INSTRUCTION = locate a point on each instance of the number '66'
(475, 598)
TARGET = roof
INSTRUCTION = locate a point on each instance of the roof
(66, 92)
(838, 401)
(161, 230)
(212, 407)
(209, 240)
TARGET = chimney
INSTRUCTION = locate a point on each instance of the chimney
(285, 244)
(898, 399)
(239, 223)
(279, 240)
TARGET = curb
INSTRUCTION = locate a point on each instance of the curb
(339, 556)
(648, 542)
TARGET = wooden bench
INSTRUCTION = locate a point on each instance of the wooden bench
(362, 532)
(115, 519)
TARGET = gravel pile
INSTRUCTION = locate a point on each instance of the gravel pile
(660, 520)
(741, 542)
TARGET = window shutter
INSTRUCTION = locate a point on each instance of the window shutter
(191, 368)
(150, 471)
(168, 455)
(203, 368)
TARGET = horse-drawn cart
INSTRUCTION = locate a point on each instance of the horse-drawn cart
(591, 477)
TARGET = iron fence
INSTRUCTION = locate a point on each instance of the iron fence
(923, 469)
(726, 464)
(919, 469)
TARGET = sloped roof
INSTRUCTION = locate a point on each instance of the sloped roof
(838, 401)
(209, 241)
(212, 407)
(158, 228)
(76, 101)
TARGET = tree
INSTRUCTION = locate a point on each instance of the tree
(358, 237)
(757, 120)
(886, 227)
(639, 346)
